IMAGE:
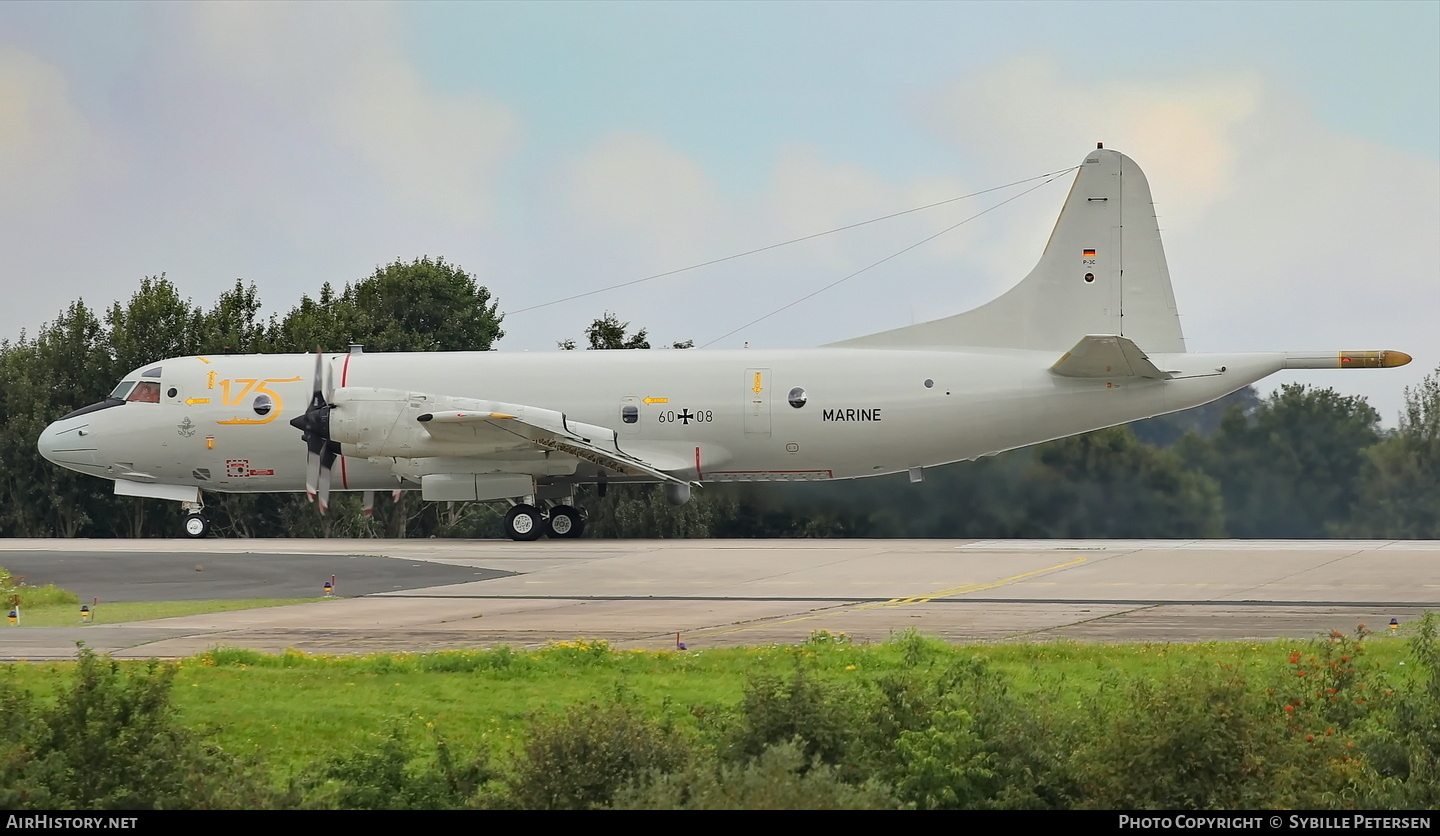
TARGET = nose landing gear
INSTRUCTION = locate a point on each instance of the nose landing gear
(196, 525)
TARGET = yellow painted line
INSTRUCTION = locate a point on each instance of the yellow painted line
(972, 587)
(896, 602)
(203, 360)
(657, 400)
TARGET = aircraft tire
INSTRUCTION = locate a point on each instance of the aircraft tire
(196, 526)
(564, 521)
(524, 522)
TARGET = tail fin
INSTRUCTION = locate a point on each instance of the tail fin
(1103, 272)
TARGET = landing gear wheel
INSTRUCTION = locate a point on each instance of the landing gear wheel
(196, 526)
(524, 522)
(564, 521)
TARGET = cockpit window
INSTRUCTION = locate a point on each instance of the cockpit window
(146, 391)
(155, 372)
(123, 389)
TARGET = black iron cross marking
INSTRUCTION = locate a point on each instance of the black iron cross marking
(685, 417)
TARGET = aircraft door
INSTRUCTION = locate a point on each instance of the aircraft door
(757, 401)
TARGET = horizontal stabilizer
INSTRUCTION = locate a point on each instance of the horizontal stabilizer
(1107, 356)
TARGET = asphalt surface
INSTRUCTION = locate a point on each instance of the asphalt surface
(202, 575)
(432, 594)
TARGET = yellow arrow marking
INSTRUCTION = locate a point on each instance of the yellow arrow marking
(657, 400)
(193, 401)
(758, 388)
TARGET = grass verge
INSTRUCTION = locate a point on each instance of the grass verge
(68, 614)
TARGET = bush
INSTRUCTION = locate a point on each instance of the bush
(582, 758)
(111, 742)
(1206, 739)
(779, 779)
(387, 775)
(1406, 750)
(820, 717)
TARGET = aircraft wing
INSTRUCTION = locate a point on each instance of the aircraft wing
(1107, 356)
(380, 422)
(544, 428)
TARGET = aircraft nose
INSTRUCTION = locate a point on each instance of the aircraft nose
(68, 443)
(46, 443)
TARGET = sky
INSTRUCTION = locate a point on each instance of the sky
(553, 149)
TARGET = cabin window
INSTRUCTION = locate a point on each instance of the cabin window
(263, 404)
(146, 391)
(629, 413)
(798, 397)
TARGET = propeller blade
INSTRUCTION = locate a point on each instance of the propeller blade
(324, 493)
(312, 473)
(328, 454)
(317, 396)
(314, 427)
(367, 504)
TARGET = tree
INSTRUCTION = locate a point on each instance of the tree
(156, 323)
(1399, 487)
(1290, 467)
(74, 361)
(1108, 484)
(421, 306)
(1165, 430)
(67, 366)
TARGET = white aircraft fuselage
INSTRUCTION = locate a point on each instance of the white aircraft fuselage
(1089, 339)
(697, 413)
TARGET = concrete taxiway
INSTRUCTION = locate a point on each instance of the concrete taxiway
(432, 594)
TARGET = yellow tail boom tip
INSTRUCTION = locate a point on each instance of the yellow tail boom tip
(1373, 359)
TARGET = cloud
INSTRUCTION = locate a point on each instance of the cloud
(48, 149)
(341, 69)
(646, 197)
(1024, 111)
(1281, 233)
(811, 193)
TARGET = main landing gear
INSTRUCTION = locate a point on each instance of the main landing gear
(526, 522)
(196, 525)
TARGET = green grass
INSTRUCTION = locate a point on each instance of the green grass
(68, 614)
(292, 708)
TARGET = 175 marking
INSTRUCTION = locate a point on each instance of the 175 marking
(233, 392)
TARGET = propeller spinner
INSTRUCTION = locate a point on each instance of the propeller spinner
(314, 426)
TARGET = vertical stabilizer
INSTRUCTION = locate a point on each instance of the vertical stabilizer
(1103, 272)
